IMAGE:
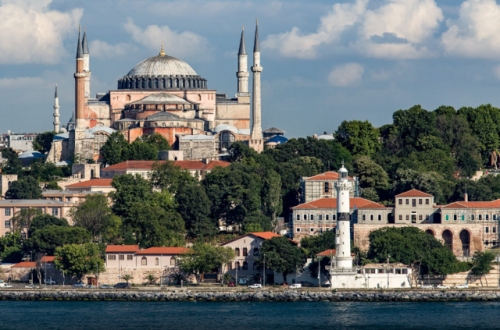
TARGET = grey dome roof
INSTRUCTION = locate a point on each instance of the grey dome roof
(162, 65)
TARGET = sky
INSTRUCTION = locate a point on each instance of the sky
(324, 61)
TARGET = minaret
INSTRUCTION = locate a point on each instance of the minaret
(242, 73)
(86, 63)
(256, 133)
(56, 112)
(343, 237)
(79, 85)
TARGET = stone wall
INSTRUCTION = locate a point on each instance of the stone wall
(361, 235)
(5, 181)
(197, 149)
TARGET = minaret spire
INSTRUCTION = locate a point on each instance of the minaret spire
(86, 64)
(256, 133)
(243, 48)
(85, 46)
(56, 112)
(242, 72)
(79, 51)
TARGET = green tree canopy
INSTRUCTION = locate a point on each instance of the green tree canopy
(11, 247)
(371, 175)
(281, 256)
(167, 175)
(94, 214)
(359, 137)
(194, 206)
(43, 220)
(46, 240)
(13, 164)
(78, 260)
(130, 190)
(115, 150)
(313, 245)
(23, 219)
(43, 141)
(25, 188)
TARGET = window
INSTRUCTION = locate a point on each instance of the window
(427, 201)
(480, 217)
(420, 201)
(312, 217)
(455, 217)
(298, 217)
(298, 230)
(407, 202)
(487, 217)
(320, 217)
(371, 217)
(463, 217)
(426, 217)
(130, 257)
(404, 271)
(494, 229)
(305, 217)
(157, 261)
(400, 217)
(144, 261)
(312, 229)
(494, 216)
(245, 265)
(327, 188)
(326, 217)
(7, 224)
(237, 265)
(420, 217)
(407, 217)
(364, 217)
(55, 212)
(229, 266)
(7, 212)
(254, 266)
(111, 256)
(414, 203)
(225, 140)
(321, 230)
(245, 252)
(487, 230)
(400, 201)
(121, 257)
(447, 217)
(379, 217)
(334, 216)
(255, 252)
(172, 261)
(237, 252)
(472, 216)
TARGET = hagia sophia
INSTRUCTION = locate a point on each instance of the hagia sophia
(164, 95)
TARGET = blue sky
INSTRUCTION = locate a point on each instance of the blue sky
(324, 61)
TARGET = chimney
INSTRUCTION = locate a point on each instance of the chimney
(466, 198)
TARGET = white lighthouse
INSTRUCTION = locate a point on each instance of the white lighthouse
(343, 237)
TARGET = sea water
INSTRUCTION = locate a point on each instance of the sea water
(54, 315)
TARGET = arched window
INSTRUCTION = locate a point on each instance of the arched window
(494, 216)
(245, 252)
(480, 217)
(144, 261)
(487, 229)
(447, 217)
(371, 217)
(487, 217)
(364, 217)
(320, 217)
(326, 217)
(157, 261)
(129, 97)
(237, 252)
(225, 140)
(472, 216)
(172, 261)
(334, 217)
(312, 217)
(305, 216)
(298, 216)
(454, 217)
(380, 217)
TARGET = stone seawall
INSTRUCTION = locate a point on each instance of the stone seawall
(264, 296)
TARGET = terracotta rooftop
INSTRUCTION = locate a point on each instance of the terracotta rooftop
(183, 164)
(122, 248)
(330, 252)
(264, 235)
(414, 193)
(92, 183)
(25, 264)
(48, 259)
(484, 205)
(331, 203)
(325, 176)
(164, 250)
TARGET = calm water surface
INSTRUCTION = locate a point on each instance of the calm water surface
(203, 315)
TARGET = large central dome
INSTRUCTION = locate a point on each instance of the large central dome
(162, 72)
(162, 65)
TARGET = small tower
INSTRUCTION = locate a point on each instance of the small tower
(56, 112)
(79, 85)
(256, 133)
(343, 237)
(242, 72)
(86, 63)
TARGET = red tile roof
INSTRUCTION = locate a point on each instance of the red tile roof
(264, 235)
(331, 203)
(25, 264)
(93, 183)
(325, 176)
(183, 164)
(164, 250)
(414, 193)
(484, 205)
(48, 259)
(331, 252)
(122, 248)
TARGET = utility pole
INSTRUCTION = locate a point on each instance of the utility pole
(237, 265)
(319, 272)
(45, 275)
(388, 270)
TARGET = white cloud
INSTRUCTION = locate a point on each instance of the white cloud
(101, 49)
(475, 32)
(346, 75)
(31, 33)
(397, 29)
(22, 82)
(180, 44)
(299, 45)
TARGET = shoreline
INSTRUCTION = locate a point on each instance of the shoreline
(255, 296)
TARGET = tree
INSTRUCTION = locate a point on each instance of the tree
(272, 201)
(53, 186)
(25, 188)
(130, 189)
(24, 218)
(411, 245)
(13, 165)
(78, 260)
(127, 278)
(48, 239)
(151, 278)
(168, 176)
(482, 263)
(257, 222)
(359, 137)
(43, 220)
(312, 245)
(371, 175)
(93, 214)
(115, 150)
(203, 258)
(11, 247)
(194, 206)
(226, 278)
(281, 256)
(159, 142)
(142, 150)
(39, 267)
(43, 141)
